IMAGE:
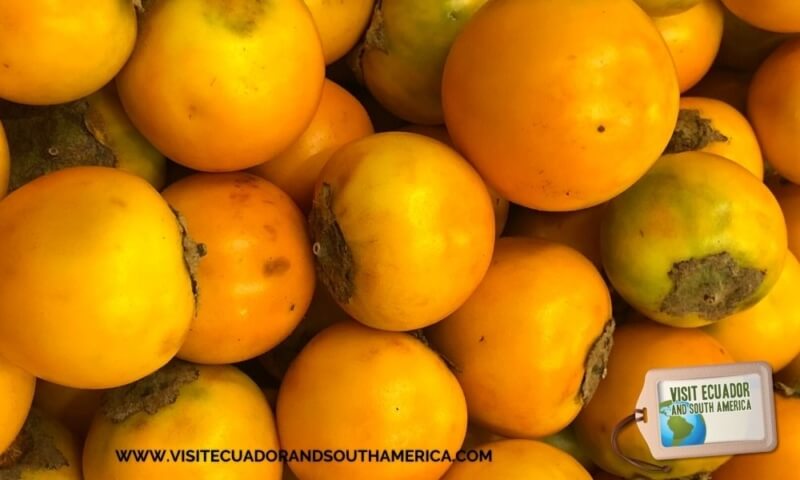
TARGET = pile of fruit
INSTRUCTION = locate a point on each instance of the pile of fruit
(425, 225)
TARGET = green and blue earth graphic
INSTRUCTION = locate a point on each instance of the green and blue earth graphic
(680, 430)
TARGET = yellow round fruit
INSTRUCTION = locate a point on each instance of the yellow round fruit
(223, 85)
(403, 229)
(354, 387)
(18, 387)
(495, 335)
(340, 24)
(95, 292)
(767, 331)
(57, 52)
(184, 407)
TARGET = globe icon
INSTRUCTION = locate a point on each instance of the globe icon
(680, 430)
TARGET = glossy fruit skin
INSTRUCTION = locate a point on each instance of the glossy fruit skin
(256, 279)
(724, 85)
(692, 206)
(18, 387)
(767, 331)
(772, 104)
(740, 144)
(772, 15)
(784, 461)
(222, 409)
(339, 120)
(519, 460)
(418, 223)
(66, 236)
(693, 38)
(788, 195)
(403, 55)
(223, 86)
(660, 8)
(439, 132)
(638, 348)
(579, 229)
(73, 408)
(494, 336)
(556, 153)
(397, 390)
(57, 52)
(5, 163)
(340, 24)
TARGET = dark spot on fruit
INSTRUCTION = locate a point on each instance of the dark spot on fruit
(271, 231)
(452, 15)
(567, 193)
(277, 266)
(292, 307)
(192, 111)
(6, 65)
(641, 233)
(119, 202)
(601, 128)
(482, 338)
(396, 409)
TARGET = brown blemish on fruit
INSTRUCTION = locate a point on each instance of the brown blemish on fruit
(150, 394)
(693, 132)
(596, 363)
(33, 449)
(334, 260)
(277, 266)
(711, 287)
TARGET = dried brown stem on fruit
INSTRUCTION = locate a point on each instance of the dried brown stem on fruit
(334, 259)
(596, 363)
(712, 287)
(150, 394)
(693, 132)
(34, 449)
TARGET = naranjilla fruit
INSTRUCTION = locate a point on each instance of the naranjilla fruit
(403, 229)
(185, 408)
(698, 238)
(18, 387)
(44, 450)
(57, 52)
(572, 125)
(256, 277)
(496, 343)
(223, 86)
(95, 290)
(354, 387)
(639, 347)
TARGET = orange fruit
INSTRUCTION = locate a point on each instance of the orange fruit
(573, 125)
(223, 86)
(693, 38)
(339, 120)
(788, 195)
(713, 126)
(494, 336)
(772, 105)
(18, 386)
(57, 52)
(256, 278)
(340, 24)
(353, 387)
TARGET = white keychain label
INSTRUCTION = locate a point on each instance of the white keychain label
(704, 411)
(708, 411)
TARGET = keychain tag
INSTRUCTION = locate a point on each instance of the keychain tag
(705, 411)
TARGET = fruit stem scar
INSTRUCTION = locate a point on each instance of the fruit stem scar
(192, 253)
(33, 449)
(150, 394)
(596, 362)
(693, 132)
(334, 260)
(712, 287)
